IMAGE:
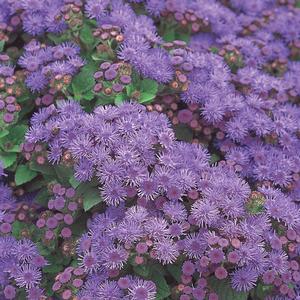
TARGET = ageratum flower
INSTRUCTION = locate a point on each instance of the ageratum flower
(49, 65)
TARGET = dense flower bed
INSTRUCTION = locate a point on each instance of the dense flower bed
(150, 149)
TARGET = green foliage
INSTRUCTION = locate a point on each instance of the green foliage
(8, 159)
(11, 142)
(42, 198)
(162, 287)
(17, 227)
(63, 173)
(175, 271)
(24, 174)
(45, 169)
(261, 291)
(58, 39)
(83, 83)
(91, 198)
(214, 158)
(183, 133)
(86, 35)
(74, 183)
(144, 91)
(2, 43)
(224, 290)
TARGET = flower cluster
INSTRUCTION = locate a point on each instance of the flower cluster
(21, 265)
(149, 149)
(112, 78)
(50, 67)
(10, 89)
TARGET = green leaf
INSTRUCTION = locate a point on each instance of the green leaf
(162, 287)
(74, 183)
(183, 36)
(11, 142)
(142, 270)
(17, 227)
(214, 158)
(52, 268)
(44, 169)
(129, 89)
(261, 291)
(57, 39)
(120, 98)
(24, 174)
(169, 36)
(175, 271)
(8, 159)
(183, 133)
(146, 97)
(86, 35)
(149, 86)
(42, 198)
(63, 173)
(214, 50)
(224, 290)
(91, 198)
(88, 96)
(2, 43)
(3, 133)
(84, 81)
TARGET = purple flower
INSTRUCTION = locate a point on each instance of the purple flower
(89, 261)
(28, 276)
(113, 193)
(25, 250)
(96, 9)
(142, 290)
(205, 213)
(115, 257)
(166, 251)
(35, 293)
(34, 23)
(110, 290)
(244, 279)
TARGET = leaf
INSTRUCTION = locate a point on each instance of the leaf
(63, 173)
(183, 36)
(42, 197)
(175, 271)
(261, 291)
(74, 183)
(120, 98)
(169, 36)
(129, 89)
(8, 159)
(3, 133)
(146, 97)
(12, 141)
(24, 174)
(52, 268)
(91, 198)
(88, 96)
(214, 158)
(57, 39)
(183, 133)
(44, 169)
(2, 43)
(17, 227)
(142, 270)
(86, 35)
(84, 81)
(149, 86)
(162, 287)
(224, 290)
